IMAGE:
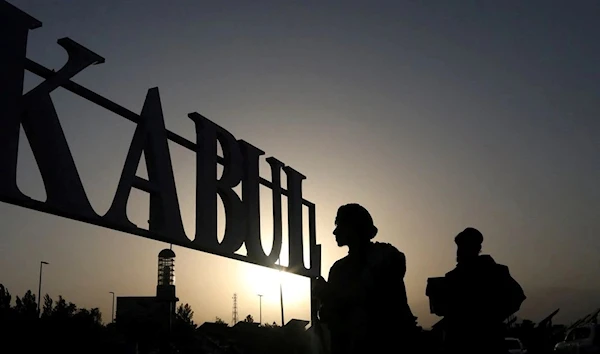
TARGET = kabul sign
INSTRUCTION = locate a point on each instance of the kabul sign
(66, 196)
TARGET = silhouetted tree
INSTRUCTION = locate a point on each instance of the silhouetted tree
(184, 329)
(65, 328)
(27, 306)
(87, 317)
(220, 321)
(249, 319)
(96, 315)
(185, 314)
(61, 328)
(63, 310)
(5, 298)
(47, 308)
(6, 312)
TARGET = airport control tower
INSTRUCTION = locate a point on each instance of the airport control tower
(165, 288)
(140, 315)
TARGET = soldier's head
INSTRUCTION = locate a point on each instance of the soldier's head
(353, 225)
(468, 244)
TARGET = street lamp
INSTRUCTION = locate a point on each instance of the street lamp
(281, 291)
(112, 312)
(260, 309)
(40, 287)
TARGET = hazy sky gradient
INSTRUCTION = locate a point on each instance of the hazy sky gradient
(434, 115)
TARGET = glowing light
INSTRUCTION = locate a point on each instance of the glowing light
(266, 281)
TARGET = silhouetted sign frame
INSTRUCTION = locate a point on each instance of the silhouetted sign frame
(66, 196)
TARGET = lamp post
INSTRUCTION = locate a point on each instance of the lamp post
(281, 291)
(112, 312)
(260, 309)
(40, 287)
(281, 302)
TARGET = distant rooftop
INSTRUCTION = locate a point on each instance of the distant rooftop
(297, 324)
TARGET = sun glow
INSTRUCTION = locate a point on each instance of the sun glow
(267, 281)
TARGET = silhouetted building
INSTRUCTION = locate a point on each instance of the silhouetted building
(148, 319)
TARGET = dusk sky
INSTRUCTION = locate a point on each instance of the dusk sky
(434, 115)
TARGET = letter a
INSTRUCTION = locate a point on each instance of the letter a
(150, 137)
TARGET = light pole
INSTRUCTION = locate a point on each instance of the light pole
(281, 301)
(281, 292)
(260, 309)
(112, 312)
(40, 287)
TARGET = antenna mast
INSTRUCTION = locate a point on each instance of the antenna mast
(234, 312)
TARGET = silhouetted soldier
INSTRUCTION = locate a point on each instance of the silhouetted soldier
(364, 303)
(481, 294)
